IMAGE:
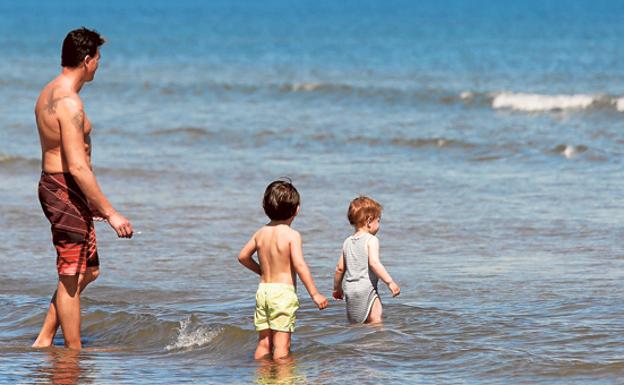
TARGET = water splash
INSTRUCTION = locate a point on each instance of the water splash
(190, 335)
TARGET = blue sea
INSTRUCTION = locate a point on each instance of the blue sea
(492, 132)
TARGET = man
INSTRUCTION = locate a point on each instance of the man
(68, 191)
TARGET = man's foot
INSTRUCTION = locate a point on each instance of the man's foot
(42, 342)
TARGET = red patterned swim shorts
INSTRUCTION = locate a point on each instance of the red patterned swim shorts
(73, 232)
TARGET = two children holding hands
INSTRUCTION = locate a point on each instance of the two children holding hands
(280, 258)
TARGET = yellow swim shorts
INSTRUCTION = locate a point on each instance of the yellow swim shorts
(276, 304)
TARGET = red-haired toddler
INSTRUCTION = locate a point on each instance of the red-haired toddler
(359, 267)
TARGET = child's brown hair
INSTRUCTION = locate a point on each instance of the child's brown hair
(363, 209)
(281, 200)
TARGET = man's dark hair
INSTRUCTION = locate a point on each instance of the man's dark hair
(78, 44)
(280, 201)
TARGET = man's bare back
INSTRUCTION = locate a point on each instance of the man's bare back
(56, 101)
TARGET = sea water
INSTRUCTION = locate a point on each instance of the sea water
(491, 132)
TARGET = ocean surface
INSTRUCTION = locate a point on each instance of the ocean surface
(492, 132)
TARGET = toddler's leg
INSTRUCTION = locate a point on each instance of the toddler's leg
(281, 345)
(264, 344)
(375, 315)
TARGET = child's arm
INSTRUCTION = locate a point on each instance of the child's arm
(340, 271)
(378, 268)
(245, 256)
(296, 257)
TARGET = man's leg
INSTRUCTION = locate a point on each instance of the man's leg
(281, 345)
(68, 310)
(51, 323)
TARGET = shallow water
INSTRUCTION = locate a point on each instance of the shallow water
(492, 135)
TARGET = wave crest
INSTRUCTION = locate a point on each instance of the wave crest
(569, 151)
(190, 131)
(296, 87)
(538, 102)
(6, 159)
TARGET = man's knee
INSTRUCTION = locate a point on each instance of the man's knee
(93, 274)
(89, 276)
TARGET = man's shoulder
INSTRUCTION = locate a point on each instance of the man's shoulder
(68, 99)
(55, 97)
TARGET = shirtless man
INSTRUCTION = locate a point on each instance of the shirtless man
(280, 257)
(68, 191)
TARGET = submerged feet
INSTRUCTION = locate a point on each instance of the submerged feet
(42, 342)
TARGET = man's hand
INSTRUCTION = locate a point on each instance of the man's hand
(320, 301)
(338, 294)
(120, 224)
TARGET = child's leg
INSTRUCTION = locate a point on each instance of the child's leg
(281, 345)
(375, 315)
(264, 344)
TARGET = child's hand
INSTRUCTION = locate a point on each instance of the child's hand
(320, 301)
(394, 288)
(338, 294)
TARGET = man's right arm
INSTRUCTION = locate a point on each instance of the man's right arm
(71, 118)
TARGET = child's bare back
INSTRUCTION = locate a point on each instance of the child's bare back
(274, 248)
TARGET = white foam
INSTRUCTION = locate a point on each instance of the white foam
(619, 104)
(189, 337)
(537, 102)
(305, 86)
(466, 95)
(569, 152)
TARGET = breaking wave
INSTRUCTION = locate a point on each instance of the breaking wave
(538, 102)
(190, 335)
(408, 95)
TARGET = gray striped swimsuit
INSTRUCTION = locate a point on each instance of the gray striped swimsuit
(359, 283)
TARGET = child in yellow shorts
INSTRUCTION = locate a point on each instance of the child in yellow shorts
(280, 256)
